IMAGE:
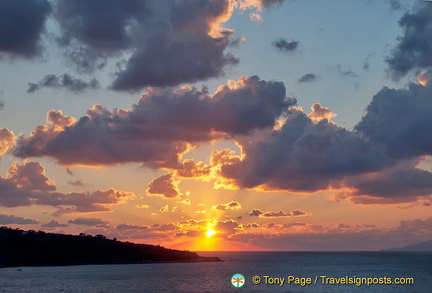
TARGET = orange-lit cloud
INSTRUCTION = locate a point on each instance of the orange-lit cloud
(319, 113)
(27, 184)
(164, 185)
(272, 214)
(191, 169)
(164, 125)
(424, 78)
(255, 17)
(7, 140)
(230, 206)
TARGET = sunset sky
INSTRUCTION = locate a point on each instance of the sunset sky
(218, 125)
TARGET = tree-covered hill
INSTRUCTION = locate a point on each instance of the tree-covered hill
(31, 248)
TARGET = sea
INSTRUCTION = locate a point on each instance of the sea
(259, 272)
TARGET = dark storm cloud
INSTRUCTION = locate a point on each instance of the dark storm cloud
(161, 127)
(21, 25)
(99, 24)
(377, 162)
(65, 81)
(394, 185)
(10, 219)
(187, 52)
(285, 46)
(309, 77)
(414, 48)
(302, 156)
(94, 31)
(170, 42)
(166, 62)
(400, 119)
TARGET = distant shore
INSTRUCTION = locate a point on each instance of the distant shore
(37, 248)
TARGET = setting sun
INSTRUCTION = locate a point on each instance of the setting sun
(210, 233)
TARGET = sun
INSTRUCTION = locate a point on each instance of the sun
(210, 233)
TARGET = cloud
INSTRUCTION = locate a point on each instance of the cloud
(23, 22)
(164, 185)
(170, 42)
(276, 214)
(285, 46)
(27, 185)
(101, 24)
(191, 169)
(394, 4)
(7, 140)
(255, 213)
(392, 185)
(301, 156)
(30, 176)
(319, 113)
(309, 77)
(342, 238)
(227, 227)
(255, 17)
(414, 48)
(252, 225)
(308, 153)
(160, 128)
(164, 227)
(85, 202)
(54, 224)
(152, 43)
(10, 219)
(76, 183)
(165, 62)
(272, 214)
(258, 4)
(89, 222)
(65, 81)
(374, 164)
(296, 224)
(230, 206)
(344, 73)
(400, 120)
(366, 64)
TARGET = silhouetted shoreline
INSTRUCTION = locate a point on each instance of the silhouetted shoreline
(38, 248)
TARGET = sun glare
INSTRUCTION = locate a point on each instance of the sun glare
(210, 233)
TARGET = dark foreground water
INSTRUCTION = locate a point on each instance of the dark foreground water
(319, 269)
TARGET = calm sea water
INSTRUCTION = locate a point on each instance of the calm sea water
(216, 277)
